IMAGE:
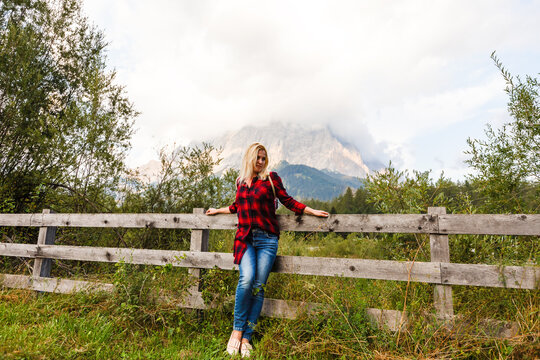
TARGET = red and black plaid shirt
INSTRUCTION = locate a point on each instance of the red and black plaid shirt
(256, 208)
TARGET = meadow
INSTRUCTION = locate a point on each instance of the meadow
(131, 323)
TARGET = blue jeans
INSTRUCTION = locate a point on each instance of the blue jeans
(254, 269)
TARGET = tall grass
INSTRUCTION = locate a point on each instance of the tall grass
(138, 322)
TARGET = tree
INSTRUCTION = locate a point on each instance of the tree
(508, 161)
(393, 191)
(346, 203)
(186, 181)
(64, 123)
(362, 206)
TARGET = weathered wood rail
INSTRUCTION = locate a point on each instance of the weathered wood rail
(439, 271)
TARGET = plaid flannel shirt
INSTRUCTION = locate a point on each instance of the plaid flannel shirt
(255, 207)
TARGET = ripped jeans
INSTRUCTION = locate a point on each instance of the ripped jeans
(254, 268)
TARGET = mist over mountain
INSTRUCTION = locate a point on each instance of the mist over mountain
(313, 163)
(317, 148)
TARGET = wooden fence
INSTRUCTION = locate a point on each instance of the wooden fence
(439, 271)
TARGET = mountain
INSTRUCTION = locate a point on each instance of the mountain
(149, 172)
(313, 163)
(316, 148)
(305, 182)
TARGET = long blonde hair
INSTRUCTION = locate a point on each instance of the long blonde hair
(248, 163)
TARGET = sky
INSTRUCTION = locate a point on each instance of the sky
(404, 81)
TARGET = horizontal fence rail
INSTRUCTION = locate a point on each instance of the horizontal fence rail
(472, 224)
(520, 277)
(437, 224)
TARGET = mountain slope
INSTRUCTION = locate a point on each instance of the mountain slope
(312, 163)
(317, 148)
(305, 182)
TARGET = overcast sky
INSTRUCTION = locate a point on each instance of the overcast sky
(406, 81)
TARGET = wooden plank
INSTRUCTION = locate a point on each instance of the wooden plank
(516, 277)
(524, 277)
(16, 281)
(271, 307)
(490, 224)
(46, 236)
(376, 223)
(440, 252)
(384, 319)
(355, 268)
(382, 223)
(66, 286)
(359, 268)
(167, 221)
(19, 220)
(287, 309)
(53, 285)
(190, 301)
(498, 328)
(20, 250)
(113, 255)
(392, 320)
(199, 242)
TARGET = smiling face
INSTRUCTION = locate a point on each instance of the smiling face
(254, 163)
(260, 162)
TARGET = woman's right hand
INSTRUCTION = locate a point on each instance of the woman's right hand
(319, 213)
(223, 210)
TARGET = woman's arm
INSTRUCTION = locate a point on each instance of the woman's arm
(223, 210)
(292, 204)
(284, 198)
(310, 211)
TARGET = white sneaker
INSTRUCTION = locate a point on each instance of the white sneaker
(245, 349)
(233, 347)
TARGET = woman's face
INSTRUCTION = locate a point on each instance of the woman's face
(261, 160)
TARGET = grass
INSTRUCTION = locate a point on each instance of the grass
(97, 326)
(79, 326)
(132, 324)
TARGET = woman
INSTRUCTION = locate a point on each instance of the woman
(256, 240)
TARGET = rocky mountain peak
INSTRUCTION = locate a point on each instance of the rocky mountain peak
(314, 147)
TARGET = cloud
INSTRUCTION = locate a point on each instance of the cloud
(378, 73)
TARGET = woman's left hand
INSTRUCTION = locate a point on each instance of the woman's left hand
(310, 211)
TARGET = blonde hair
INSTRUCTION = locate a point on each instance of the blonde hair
(248, 163)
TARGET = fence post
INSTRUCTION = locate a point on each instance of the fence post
(199, 242)
(47, 236)
(440, 252)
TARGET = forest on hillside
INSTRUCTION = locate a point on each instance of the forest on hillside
(65, 130)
